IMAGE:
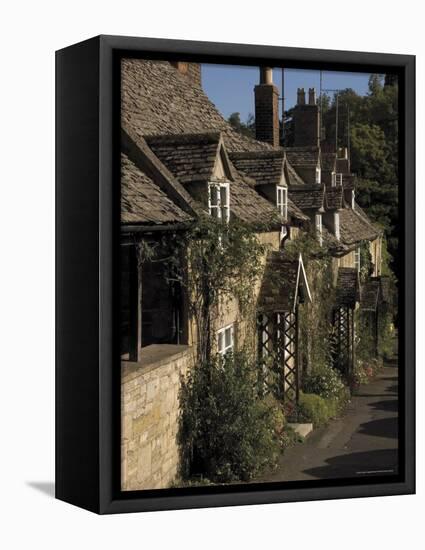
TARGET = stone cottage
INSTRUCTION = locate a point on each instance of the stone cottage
(181, 159)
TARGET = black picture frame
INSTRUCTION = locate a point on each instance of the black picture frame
(87, 370)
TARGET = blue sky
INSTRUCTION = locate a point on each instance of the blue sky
(231, 88)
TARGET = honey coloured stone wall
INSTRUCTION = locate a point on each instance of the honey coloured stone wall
(149, 416)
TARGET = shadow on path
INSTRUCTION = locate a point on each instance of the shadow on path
(385, 427)
(388, 405)
(349, 465)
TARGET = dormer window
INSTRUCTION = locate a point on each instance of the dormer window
(282, 201)
(318, 175)
(219, 200)
(336, 226)
(318, 221)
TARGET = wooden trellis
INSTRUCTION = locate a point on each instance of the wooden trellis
(344, 328)
(278, 344)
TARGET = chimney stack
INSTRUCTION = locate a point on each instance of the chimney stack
(300, 96)
(192, 71)
(306, 120)
(267, 108)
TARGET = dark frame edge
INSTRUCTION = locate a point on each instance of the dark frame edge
(107, 500)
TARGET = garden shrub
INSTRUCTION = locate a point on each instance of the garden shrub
(226, 432)
(319, 410)
(366, 370)
(325, 382)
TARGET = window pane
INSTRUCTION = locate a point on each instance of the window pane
(214, 212)
(223, 196)
(213, 195)
(228, 337)
(220, 342)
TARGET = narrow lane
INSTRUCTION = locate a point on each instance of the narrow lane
(363, 442)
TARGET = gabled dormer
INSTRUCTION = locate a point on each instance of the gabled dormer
(267, 171)
(201, 164)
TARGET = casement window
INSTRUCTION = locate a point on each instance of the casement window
(219, 201)
(336, 179)
(225, 339)
(318, 175)
(282, 201)
(318, 221)
(357, 259)
(336, 226)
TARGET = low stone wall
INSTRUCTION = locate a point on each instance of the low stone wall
(149, 416)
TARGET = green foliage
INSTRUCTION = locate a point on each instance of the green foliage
(216, 262)
(366, 370)
(316, 409)
(245, 128)
(373, 140)
(225, 430)
(325, 382)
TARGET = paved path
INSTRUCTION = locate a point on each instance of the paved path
(363, 442)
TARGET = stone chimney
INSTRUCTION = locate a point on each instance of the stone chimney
(306, 120)
(267, 108)
(192, 71)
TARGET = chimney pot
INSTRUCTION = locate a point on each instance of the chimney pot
(266, 75)
(311, 96)
(300, 96)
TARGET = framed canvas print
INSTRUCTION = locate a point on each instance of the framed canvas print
(235, 274)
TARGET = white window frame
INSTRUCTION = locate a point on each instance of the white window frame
(338, 178)
(318, 175)
(353, 199)
(318, 224)
(225, 349)
(336, 226)
(357, 259)
(333, 181)
(219, 206)
(282, 205)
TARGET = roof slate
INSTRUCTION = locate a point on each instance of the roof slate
(334, 197)
(303, 156)
(347, 288)
(189, 157)
(277, 292)
(157, 99)
(265, 167)
(142, 201)
(307, 197)
(354, 226)
(370, 295)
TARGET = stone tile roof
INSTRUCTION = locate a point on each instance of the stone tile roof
(328, 161)
(303, 156)
(247, 205)
(343, 166)
(143, 202)
(307, 197)
(278, 288)
(292, 178)
(295, 212)
(370, 295)
(347, 287)
(335, 246)
(348, 181)
(333, 197)
(265, 167)
(354, 226)
(157, 99)
(189, 157)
